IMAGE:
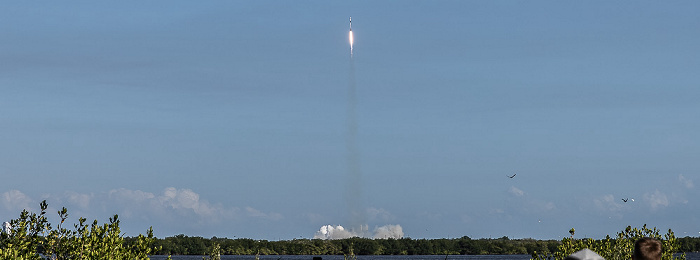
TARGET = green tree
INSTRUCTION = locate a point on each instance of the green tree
(619, 248)
(215, 252)
(32, 236)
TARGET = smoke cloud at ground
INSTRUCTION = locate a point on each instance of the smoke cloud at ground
(339, 232)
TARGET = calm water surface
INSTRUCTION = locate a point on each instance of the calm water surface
(689, 256)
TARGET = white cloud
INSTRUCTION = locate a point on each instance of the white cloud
(134, 202)
(177, 210)
(187, 200)
(130, 195)
(78, 199)
(183, 202)
(172, 203)
(517, 192)
(15, 200)
(657, 200)
(254, 212)
(688, 183)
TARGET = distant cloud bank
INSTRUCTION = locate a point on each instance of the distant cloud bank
(181, 209)
(181, 202)
(14, 200)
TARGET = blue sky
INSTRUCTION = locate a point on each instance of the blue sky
(230, 118)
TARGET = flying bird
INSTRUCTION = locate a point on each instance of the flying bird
(511, 176)
(625, 199)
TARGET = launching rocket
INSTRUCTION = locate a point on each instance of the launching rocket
(350, 36)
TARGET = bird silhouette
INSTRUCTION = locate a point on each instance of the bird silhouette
(625, 200)
(511, 176)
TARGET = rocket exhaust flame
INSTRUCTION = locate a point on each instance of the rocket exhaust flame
(350, 42)
(350, 36)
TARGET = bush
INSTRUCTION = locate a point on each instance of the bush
(618, 248)
(32, 237)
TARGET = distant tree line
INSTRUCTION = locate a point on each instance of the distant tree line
(186, 245)
(31, 236)
(689, 244)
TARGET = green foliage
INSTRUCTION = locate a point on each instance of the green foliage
(215, 252)
(539, 249)
(620, 247)
(689, 244)
(184, 245)
(32, 237)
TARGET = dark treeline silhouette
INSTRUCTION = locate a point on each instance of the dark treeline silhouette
(186, 245)
(689, 244)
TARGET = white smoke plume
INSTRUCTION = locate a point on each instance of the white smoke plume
(333, 232)
(339, 232)
(388, 231)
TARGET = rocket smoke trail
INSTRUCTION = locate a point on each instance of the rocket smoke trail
(353, 192)
(354, 188)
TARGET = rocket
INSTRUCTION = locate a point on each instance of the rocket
(350, 36)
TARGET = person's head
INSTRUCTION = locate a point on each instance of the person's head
(647, 248)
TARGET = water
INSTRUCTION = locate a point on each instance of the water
(689, 256)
